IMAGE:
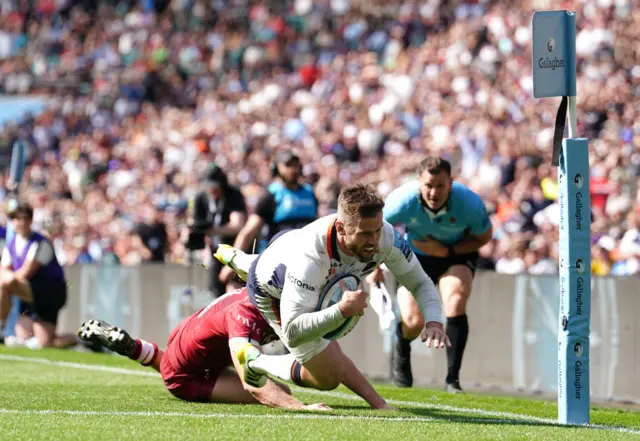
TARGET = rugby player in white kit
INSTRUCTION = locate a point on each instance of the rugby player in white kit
(287, 278)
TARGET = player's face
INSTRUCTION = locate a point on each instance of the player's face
(291, 171)
(435, 189)
(362, 237)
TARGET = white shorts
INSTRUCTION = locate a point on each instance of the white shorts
(302, 353)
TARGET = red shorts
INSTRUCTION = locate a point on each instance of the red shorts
(184, 383)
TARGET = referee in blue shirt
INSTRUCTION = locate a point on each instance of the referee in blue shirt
(445, 224)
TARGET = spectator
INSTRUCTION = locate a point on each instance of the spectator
(143, 99)
(153, 233)
(219, 213)
(31, 272)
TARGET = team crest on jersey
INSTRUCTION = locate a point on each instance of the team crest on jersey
(334, 269)
(452, 220)
(401, 244)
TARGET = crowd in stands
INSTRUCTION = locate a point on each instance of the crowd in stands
(142, 96)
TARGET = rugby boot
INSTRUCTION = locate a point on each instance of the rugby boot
(453, 386)
(225, 254)
(111, 337)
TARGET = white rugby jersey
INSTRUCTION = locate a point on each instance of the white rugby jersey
(298, 265)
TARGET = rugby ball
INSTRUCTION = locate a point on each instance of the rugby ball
(331, 294)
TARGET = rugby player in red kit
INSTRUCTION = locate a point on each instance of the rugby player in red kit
(200, 362)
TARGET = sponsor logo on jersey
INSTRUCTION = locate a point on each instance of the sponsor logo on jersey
(300, 283)
(246, 322)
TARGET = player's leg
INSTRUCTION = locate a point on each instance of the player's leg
(288, 369)
(409, 327)
(237, 260)
(410, 324)
(24, 328)
(322, 366)
(455, 289)
(319, 368)
(23, 331)
(49, 297)
(229, 389)
(9, 286)
(118, 340)
(44, 333)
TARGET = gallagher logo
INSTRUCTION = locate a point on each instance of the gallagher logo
(551, 44)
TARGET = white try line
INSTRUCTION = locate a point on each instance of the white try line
(284, 416)
(504, 417)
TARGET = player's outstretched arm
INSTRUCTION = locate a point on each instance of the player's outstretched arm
(274, 394)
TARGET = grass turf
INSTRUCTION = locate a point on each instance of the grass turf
(65, 395)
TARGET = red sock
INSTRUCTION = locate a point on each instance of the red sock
(145, 352)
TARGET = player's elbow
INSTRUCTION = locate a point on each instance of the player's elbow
(291, 333)
(293, 342)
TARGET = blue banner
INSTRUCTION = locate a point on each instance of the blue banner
(575, 282)
(554, 53)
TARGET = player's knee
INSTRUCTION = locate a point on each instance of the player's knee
(328, 378)
(456, 303)
(7, 280)
(414, 324)
(328, 383)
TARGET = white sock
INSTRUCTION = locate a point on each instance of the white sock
(243, 261)
(284, 367)
(33, 343)
(147, 352)
(11, 342)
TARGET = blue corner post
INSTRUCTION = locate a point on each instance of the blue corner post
(554, 75)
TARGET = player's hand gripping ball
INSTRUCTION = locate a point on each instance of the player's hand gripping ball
(331, 295)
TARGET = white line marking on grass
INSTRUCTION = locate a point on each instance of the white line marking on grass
(499, 417)
(88, 367)
(284, 416)
(294, 416)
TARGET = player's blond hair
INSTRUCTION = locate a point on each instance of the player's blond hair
(358, 201)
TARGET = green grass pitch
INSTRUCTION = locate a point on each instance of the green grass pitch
(64, 395)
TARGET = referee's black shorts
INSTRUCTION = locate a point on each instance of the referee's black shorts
(435, 267)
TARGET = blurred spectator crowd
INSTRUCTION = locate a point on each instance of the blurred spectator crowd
(143, 95)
